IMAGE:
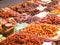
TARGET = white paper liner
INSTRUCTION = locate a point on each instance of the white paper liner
(41, 8)
(42, 14)
(47, 43)
(46, 1)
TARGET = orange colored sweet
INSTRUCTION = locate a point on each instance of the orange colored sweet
(45, 30)
(56, 11)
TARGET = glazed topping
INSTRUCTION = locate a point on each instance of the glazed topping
(44, 30)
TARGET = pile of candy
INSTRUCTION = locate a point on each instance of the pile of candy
(44, 30)
(26, 23)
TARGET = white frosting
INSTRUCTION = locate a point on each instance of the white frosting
(41, 8)
(47, 1)
(47, 43)
(42, 14)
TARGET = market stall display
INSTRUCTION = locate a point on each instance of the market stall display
(40, 29)
(26, 7)
(35, 22)
(22, 39)
(50, 19)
